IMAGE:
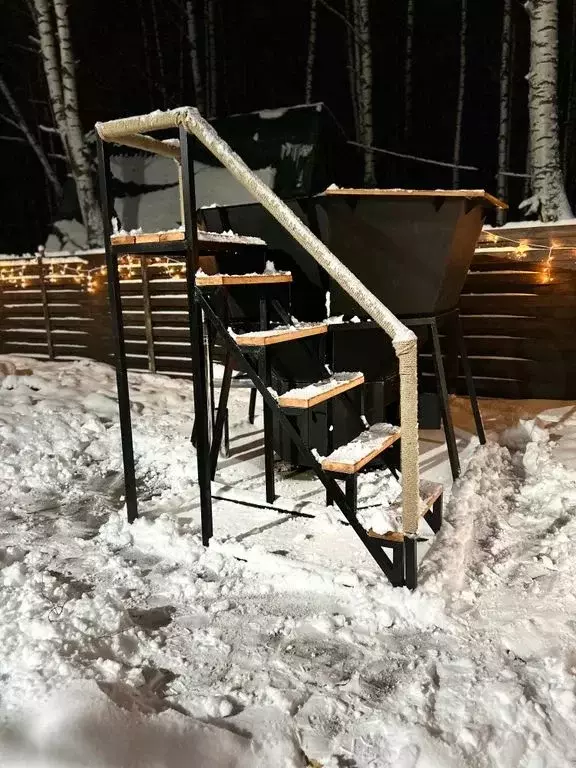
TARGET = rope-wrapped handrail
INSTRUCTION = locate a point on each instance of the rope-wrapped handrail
(130, 130)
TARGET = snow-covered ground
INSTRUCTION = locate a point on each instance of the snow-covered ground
(280, 645)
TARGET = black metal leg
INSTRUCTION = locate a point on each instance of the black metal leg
(410, 562)
(434, 516)
(469, 381)
(118, 334)
(252, 406)
(397, 579)
(351, 491)
(226, 448)
(266, 376)
(196, 338)
(222, 416)
(444, 402)
(329, 441)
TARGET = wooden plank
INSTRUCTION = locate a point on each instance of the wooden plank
(24, 347)
(553, 371)
(548, 234)
(213, 280)
(465, 194)
(170, 237)
(164, 301)
(542, 349)
(309, 402)
(542, 282)
(429, 493)
(562, 306)
(259, 339)
(122, 239)
(533, 327)
(350, 468)
(161, 333)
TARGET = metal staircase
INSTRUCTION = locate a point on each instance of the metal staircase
(249, 351)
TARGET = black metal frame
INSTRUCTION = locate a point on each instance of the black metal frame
(402, 568)
(431, 323)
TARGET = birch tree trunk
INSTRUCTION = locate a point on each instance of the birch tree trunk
(36, 146)
(461, 92)
(192, 34)
(408, 68)
(59, 67)
(311, 51)
(504, 122)
(351, 63)
(159, 55)
(357, 68)
(549, 198)
(365, 95)
(211, 84)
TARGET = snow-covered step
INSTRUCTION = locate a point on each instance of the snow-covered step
(278, 335)
(176, 235)
(312, 394)
(350, 458)
(390, 527)
(205, 281)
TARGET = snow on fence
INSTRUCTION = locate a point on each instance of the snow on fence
(518, 309)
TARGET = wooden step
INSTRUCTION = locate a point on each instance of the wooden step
(429, 493)
(278, 335)
(175, 235)
(350, 458)
(312, 394)
(205, 281)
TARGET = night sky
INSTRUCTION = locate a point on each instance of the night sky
(261, 52)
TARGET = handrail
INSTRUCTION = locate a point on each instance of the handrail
(129, 131)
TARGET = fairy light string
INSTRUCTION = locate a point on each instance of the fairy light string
(93, 279)
(57, 272)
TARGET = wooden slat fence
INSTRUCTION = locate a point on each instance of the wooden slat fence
(519, 312)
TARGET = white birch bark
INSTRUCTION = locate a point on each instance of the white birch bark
(408, 68)
(51, 64)
(59, 68)
(461, 93)
(504, 121)
(311, 51)
(549, 198)
(365, 96)
(35, 145)
(192, 35)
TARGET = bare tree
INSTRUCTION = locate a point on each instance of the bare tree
(408, 68)
(548, 198)
(211, 76)
(20, 123)
(352, 64)
(461, 93)
(58, 60)
(504, 122)
(192, 34)
(311, 51)
(365, 93)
